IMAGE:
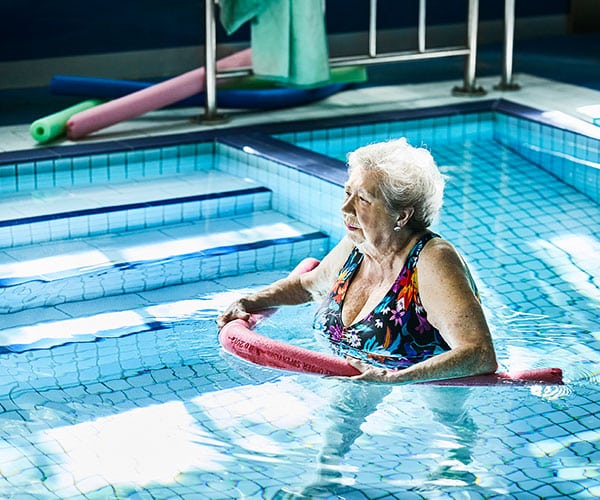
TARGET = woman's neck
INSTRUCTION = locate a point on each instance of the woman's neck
(389, 256)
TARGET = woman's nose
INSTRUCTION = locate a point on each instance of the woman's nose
(347, 206)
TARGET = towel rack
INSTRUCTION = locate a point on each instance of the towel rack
(469, 50)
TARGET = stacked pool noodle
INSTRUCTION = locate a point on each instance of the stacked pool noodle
(247, 92)
(55, 125)
(148, 99)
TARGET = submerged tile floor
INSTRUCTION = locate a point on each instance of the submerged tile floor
(166, 414)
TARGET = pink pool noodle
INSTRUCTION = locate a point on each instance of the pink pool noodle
(238, 338)
(148, 99)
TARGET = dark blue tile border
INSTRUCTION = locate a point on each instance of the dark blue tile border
(274, 151)
(556, 120)
(304, 160)
(54, 152)
(132, 206)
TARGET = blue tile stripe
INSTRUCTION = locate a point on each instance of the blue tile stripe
(206, 136)
(131, 206)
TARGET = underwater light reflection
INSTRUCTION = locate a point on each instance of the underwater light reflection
(183, 246)
(584, 255)
(45, 266)
(576, 259)
(137, 447)
(121, 322)
(117, 323)
(208, 306)
(552, 446)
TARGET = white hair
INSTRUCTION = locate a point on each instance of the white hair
(409, 178)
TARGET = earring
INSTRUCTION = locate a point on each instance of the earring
(397, 228)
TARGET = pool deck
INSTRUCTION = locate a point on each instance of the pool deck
(562, 100)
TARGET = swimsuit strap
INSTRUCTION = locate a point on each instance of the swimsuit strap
(413, 256)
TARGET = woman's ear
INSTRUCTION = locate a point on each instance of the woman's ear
(405, 216)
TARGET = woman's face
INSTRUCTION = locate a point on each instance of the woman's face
(364, 212)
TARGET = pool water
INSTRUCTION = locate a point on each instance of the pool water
(155, 409)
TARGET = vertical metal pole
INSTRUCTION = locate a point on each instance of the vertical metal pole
(422, 11)
(506, 82)
(373, 29)
(210, 64)
(469, 87)
(472, 26)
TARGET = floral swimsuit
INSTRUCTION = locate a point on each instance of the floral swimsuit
(396, 334)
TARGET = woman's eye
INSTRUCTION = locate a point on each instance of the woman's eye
(363, 199)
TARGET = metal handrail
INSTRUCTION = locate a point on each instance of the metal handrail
(469, 87)
(506, 81)
(210, 62)
(469, 51)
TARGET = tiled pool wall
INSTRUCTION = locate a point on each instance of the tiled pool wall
(109, 167)
(339, 141)
(572, 157)
(296, 193)
(569, 155)
(36, 178)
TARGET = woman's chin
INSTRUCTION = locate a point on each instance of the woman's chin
(357, 241)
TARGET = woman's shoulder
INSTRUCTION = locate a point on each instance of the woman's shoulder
(439, 252)
(442, 264)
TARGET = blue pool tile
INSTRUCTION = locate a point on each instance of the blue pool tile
(98, 170)
(151, 162)
(133, 354)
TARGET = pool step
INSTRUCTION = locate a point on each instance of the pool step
(118, 316)
(79, 269)
(54, 214)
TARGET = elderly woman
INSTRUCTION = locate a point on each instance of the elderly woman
(397, 299)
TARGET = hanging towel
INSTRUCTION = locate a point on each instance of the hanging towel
(234, 13)
(289, 43)
(288, 38)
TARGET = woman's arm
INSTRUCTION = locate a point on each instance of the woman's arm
(293, 289)
(455, 311)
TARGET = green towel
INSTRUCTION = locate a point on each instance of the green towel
(344, 74)
(289, 42)
(234, 13)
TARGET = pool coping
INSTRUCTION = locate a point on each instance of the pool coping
(258, 135)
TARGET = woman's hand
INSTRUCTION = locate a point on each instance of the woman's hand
(237, 310)
(371, 373)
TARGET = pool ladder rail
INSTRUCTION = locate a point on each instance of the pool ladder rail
(469, 86)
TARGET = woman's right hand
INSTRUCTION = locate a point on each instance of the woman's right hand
(236, 310)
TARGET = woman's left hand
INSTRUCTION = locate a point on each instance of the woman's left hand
(371, 373)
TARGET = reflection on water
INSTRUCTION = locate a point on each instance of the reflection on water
(248, 431)
(526, 340)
